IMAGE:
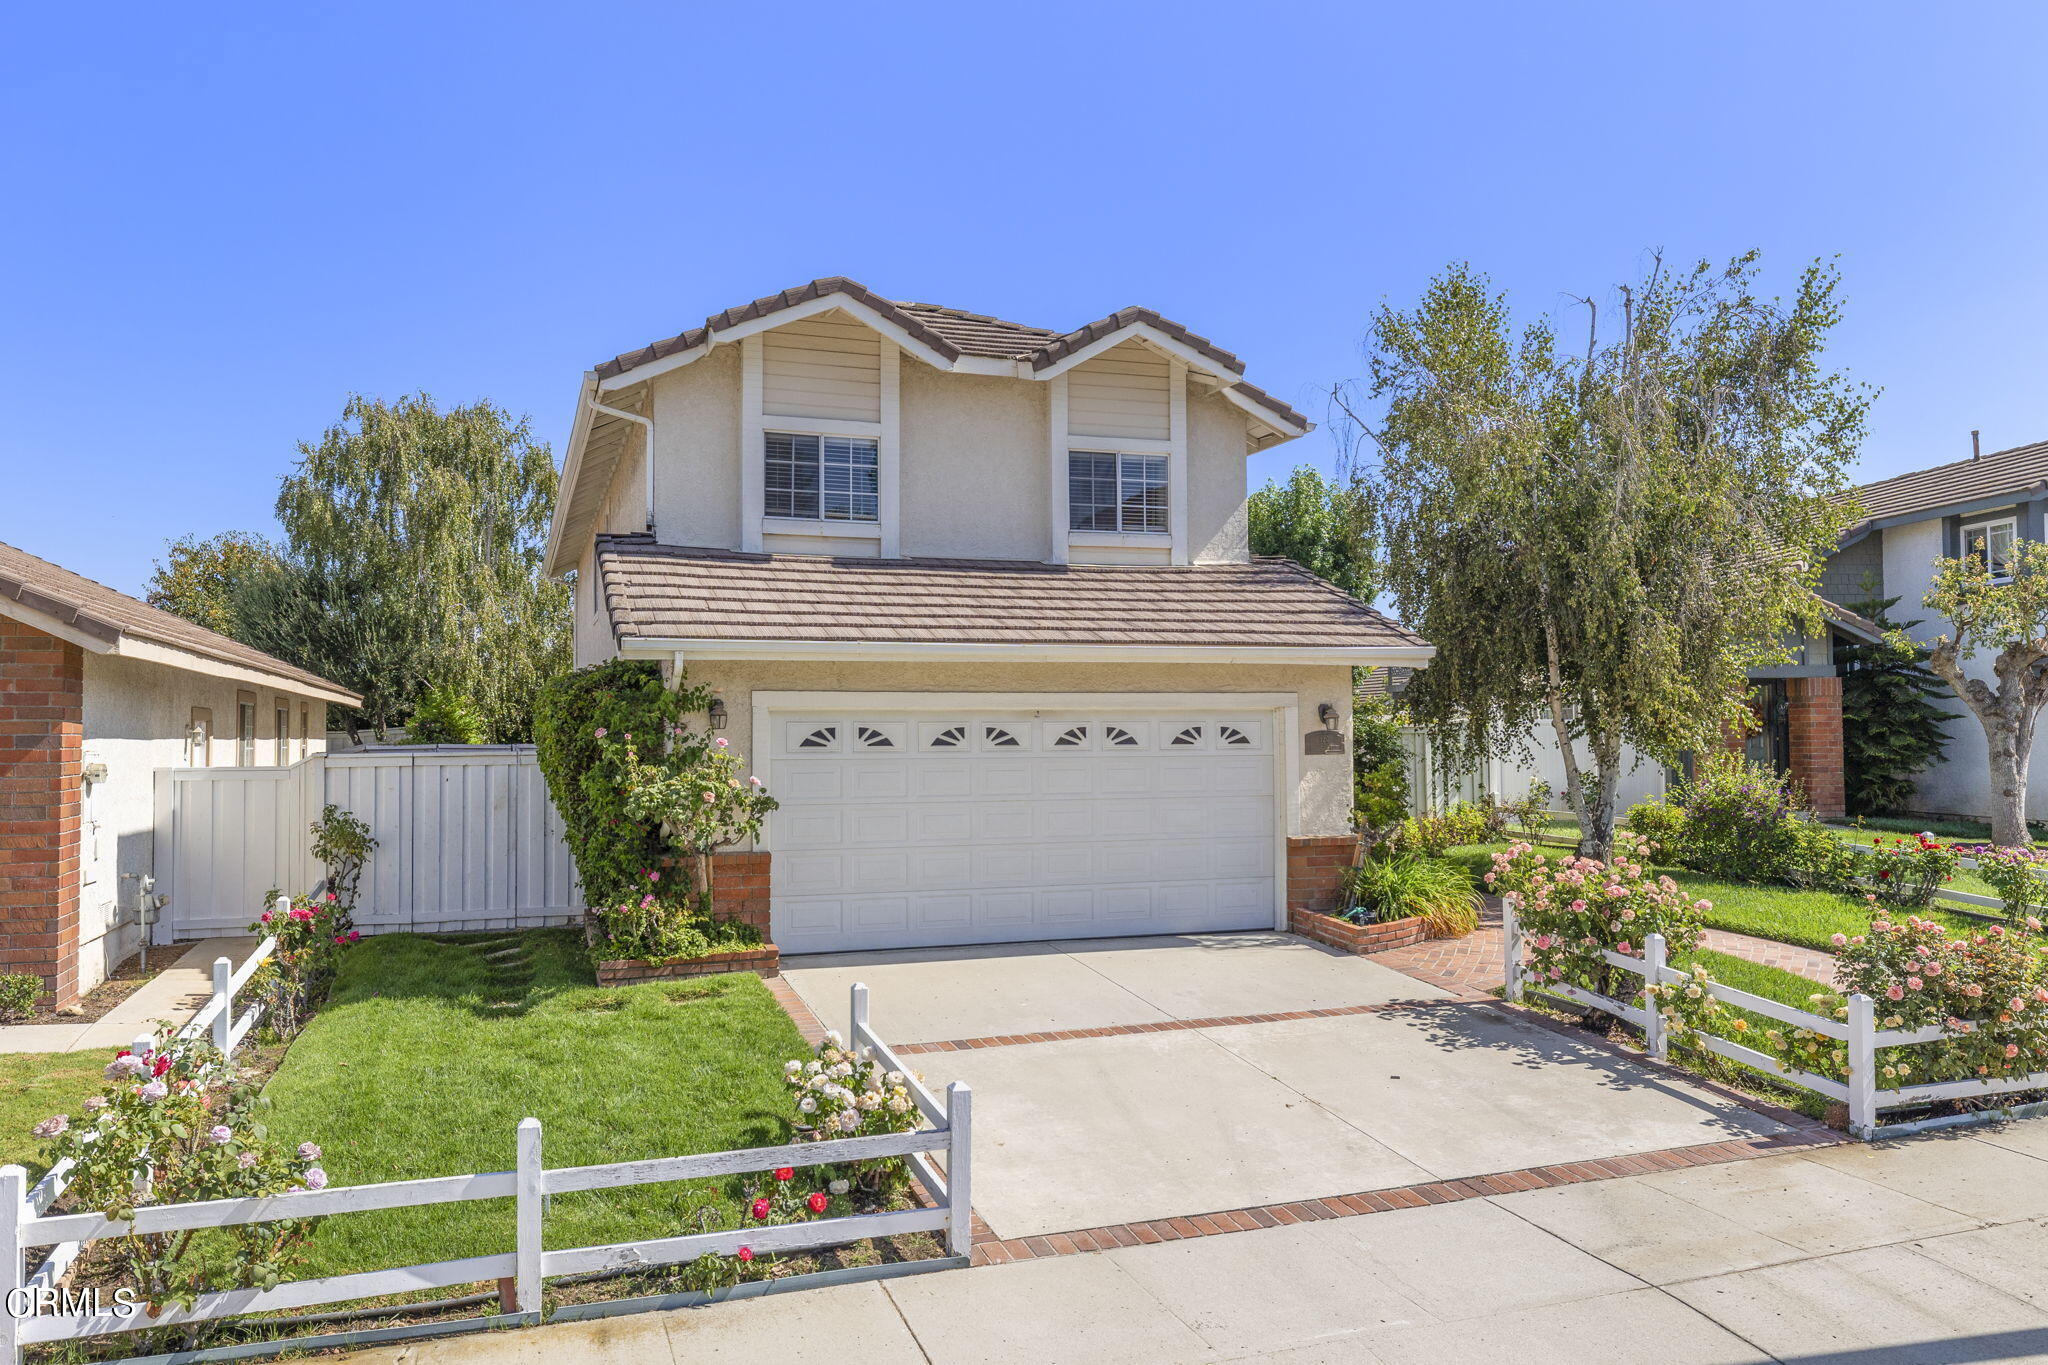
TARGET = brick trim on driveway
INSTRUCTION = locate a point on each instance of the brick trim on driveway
(1004, 1250)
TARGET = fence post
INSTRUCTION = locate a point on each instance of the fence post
(1653, 975)
(528, 1186)
(959, 1160)
(13, 1210)
(1862, 1067)
(1511, 945)
(857, 1015)
(224, 1016)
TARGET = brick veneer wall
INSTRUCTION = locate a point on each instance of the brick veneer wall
(765, 960)
(1814, 718)
(42, 727)
(739, 887)
(1315, 871)
(1358, 939)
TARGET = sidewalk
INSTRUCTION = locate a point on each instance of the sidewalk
(1929, 1249)
(174, 994)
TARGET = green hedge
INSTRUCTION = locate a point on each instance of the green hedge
(622, 697)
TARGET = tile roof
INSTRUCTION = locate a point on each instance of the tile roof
(954, 333)
(97, 610)
(670, 592)
(2021, 469)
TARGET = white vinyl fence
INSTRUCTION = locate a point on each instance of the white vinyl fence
(466, 840)
(216, 1020)
(530, 1183)
(1867, 1104)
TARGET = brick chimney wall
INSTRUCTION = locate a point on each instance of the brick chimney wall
(1814, 717)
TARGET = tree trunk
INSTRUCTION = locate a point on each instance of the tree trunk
(2008, 715)
(701, 893)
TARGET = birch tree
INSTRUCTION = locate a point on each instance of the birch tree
(1602, 538)
(2008, 617)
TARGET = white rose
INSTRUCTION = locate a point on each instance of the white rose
(899, 1105)
(807, 1105)
(791, 1067)
(895, 1078)
(835, 1038)
(849, 1120)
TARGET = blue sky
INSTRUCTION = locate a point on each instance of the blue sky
(225, 219)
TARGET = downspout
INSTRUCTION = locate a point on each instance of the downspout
(646, 425)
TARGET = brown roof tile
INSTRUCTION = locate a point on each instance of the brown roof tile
(2021, 469)
(98, 610)
(669, 592)
(955, 333)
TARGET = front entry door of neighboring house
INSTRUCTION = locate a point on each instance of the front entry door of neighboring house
(1770, 743)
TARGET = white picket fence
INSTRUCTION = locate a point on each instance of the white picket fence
(521, 1270)
(216, 1019)
(1867, 1103)
(467, 839)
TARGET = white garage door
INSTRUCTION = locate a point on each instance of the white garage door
(954, 827)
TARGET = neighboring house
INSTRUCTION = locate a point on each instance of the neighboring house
(1795, 728)
(977, 605)
(99, 691)
(1984, 503)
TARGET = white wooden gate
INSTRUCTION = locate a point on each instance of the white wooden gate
(466, 839)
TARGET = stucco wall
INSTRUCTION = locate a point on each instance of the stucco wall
(1960, 784)
(974, 466)
(1217, 440)
(136, 716)
(590, 632)
(697, 445)
(1325, 783)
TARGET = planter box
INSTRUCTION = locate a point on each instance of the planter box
(1359, 939)
(766, 960)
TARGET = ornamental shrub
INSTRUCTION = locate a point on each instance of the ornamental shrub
(1662, 824)
(343, 843)
(573, 716)
(1741, 821)
(2014, 873)
(444, 716)
(1405, 884)
(1379, 768)
(174, 1125)
(1573, 909)
(1905, 873)
(688, 784)
(841, 1093)
(19, 992)
(1988, 990)
(311, 933)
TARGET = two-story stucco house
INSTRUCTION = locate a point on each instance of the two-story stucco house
(977, 605)
(1985, 504)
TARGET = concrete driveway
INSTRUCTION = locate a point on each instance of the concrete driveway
(1149, 1119)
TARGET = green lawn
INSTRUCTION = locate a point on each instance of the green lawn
(1808, 918)
(35, 1085)
(432, 1049)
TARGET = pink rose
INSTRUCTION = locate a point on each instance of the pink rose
(1840, 940)
(1894, 992)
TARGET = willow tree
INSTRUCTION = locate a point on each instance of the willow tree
(412, 560)
(1601, 539)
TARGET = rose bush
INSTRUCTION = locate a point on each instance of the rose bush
(1904, 873)
(311, 933)
(1573, 909)
(1989, 990)
(174, 1125)
(841, 1094)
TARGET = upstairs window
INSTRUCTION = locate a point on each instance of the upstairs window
(1992, 542)
(822, 478)
(1113, 492)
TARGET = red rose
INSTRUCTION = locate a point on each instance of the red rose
(817, 1201)
(785, 1173)
(161, 1064)
(354, 934)
(760, 1209)
(746, 1253)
